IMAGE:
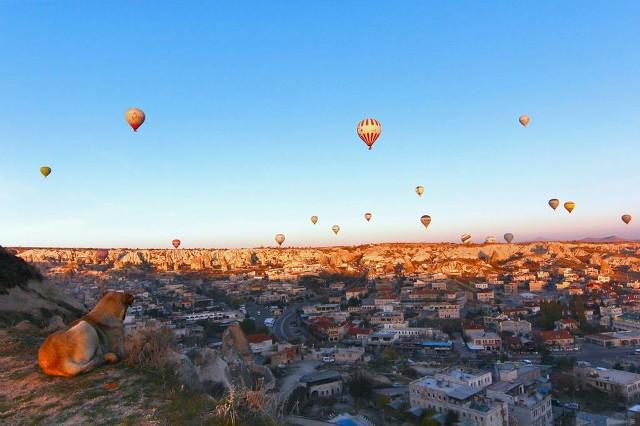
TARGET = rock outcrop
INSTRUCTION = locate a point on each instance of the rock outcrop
(25, 296)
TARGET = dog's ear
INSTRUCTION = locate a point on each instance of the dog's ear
(128, 298)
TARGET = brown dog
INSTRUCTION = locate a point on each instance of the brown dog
(94, 339)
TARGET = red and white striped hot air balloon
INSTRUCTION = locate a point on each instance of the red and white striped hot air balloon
(369, 130)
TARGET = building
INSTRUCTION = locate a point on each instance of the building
(322, 383)
(614, 339)
(469, 403)
(484, 340)
(260, 343)
(526, 407)
(515, 326)
(568, 324)
(629, 321)
(617, 383)
(467, 376)
(559, 340)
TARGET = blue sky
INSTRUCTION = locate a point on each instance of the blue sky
(251, 112)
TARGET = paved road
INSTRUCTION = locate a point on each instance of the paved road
(602, 357)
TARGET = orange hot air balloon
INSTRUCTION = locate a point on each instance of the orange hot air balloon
(175, 243)
(626, 218)
(279, 239)
(426, 220)
(135, 117)
(367, 216)
(335, 229)
(569, 205)
(554, 203)
(524, 120)
(45, 171)
(369, 130)
(314, 219)
(420, 190)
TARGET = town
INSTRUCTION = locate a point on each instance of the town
(493, 334)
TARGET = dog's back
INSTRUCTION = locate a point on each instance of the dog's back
(70, 352)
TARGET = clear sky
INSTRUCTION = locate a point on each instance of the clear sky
(251, 113)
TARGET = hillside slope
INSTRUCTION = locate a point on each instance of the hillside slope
(25, 296)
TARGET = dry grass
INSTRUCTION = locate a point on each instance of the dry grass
(148, 348)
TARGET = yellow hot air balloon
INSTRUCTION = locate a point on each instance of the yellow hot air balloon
(569, 205)
(508, 237)
(367, 216)
(279, 239)
(426, 220)
(465, 238)
(135, 117)
(45, 171)
(369, 130)
(420, 190)
(626, 218)
(554, 203)
(314, 219)
(524, 120)
(335, 229)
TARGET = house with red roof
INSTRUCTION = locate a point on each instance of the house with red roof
(557, 339)
(260, 343)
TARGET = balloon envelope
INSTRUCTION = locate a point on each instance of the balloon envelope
(508, 237)
(465, 238)
(175, 243)
(135, 117)
(367, 216)
(420, 190)
(279, 239)
(45, 171)
(369, 130)
(426, 220)
(314, 219)
(554, 203)
(335, 229)
(102, 254)
(524, 120)
(626, 218)
(569, 205)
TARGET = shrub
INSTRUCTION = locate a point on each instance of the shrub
(148, 347)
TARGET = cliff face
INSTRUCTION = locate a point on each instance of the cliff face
(374, 259)
(24, 295)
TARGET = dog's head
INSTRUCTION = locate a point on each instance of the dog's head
(114, 303)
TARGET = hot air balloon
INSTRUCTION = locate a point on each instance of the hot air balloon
(135, 117)
(279, 239)
(335, 229)
(45, 171)
(314, 219)
(102, 254)
(420, 190)
(426, 220)
(367, 216)
(569, 205)
(465, 238)
(626, 218)
(369, 130)
(524, 120)
(554, 203)
(175, 243)
(508, 237)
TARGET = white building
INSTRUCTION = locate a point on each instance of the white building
(469, 403)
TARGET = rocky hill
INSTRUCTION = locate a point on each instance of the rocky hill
(376, 259)
(25, 296)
